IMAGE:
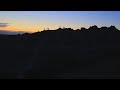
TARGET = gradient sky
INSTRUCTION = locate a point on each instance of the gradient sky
(32, 21)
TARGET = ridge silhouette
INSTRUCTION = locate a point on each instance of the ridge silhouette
(63, 53)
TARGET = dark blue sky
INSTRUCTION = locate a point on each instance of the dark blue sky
(38, 20)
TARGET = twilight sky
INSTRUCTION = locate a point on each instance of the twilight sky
(32, 21)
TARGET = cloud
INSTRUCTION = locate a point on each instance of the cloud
(4, 24)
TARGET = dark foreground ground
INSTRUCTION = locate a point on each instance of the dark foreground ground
(63, 55)
(74, 63)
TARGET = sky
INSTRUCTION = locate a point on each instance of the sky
(33, 21)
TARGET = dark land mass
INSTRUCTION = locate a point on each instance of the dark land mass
(92, 53)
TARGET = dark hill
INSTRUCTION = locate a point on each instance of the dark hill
(62, 53)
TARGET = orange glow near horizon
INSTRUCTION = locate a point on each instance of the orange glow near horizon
(31, 27)
(19, 27)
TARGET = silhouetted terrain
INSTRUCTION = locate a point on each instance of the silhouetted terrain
(61, 54)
